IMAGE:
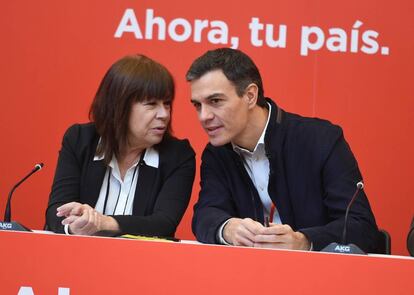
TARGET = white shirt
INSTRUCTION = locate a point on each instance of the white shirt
(257, 166)
(121, 192)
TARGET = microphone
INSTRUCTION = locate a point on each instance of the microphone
(7, 224)
(344, 247)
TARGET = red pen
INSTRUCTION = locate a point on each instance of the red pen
(269, 219)
(266, 222)
(272, 212)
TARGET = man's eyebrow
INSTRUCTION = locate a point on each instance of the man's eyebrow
(211, 96)
(214, 95)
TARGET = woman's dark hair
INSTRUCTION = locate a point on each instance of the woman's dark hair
(131, 79)
(237, 66)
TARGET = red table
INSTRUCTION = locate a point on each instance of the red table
(94, 265)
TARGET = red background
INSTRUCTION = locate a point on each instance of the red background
(54, 54)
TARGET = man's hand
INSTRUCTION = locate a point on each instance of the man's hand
(85, 220)
(281, 236)
(241, 232)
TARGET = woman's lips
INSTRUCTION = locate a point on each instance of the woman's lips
(159, 130)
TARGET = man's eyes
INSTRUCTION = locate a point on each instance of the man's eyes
(197, 105)
(211, 101)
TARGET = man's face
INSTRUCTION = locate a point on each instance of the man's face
(222, 113)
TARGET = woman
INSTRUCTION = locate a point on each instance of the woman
(124, 172)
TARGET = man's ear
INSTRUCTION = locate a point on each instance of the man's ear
(251, 94)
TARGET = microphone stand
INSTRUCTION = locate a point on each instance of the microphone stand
(343, 247)
(7, 224)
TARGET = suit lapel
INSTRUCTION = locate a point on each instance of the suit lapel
(278, 185)
(145, 185)
(93, 182)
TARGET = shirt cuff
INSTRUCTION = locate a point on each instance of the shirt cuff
(66, 229)
(220, 237)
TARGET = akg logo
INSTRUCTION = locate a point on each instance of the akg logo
(342, 249)
(5, 225)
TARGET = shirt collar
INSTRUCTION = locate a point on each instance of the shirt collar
(260, 142)
(151, 158)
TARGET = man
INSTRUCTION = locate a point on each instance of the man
(264, 164)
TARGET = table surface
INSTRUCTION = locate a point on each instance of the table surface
(96, 265)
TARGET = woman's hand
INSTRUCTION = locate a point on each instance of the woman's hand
(85, 220)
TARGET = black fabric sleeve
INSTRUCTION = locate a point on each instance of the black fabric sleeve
(340, 174)
(66, 183)
(215, 204)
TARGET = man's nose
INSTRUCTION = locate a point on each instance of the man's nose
(205, 114)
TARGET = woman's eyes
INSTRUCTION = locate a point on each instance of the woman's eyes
(155, 103)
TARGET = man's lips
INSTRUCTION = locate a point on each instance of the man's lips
(213, 130)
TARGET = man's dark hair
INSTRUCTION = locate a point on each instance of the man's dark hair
(131, 79)
(236, 66)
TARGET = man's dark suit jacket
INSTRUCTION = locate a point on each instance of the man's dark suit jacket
(313, 175)
(161, 196)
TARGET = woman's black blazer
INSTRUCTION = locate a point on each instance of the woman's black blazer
(161, 196)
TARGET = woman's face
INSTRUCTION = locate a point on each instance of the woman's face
(148, 122)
